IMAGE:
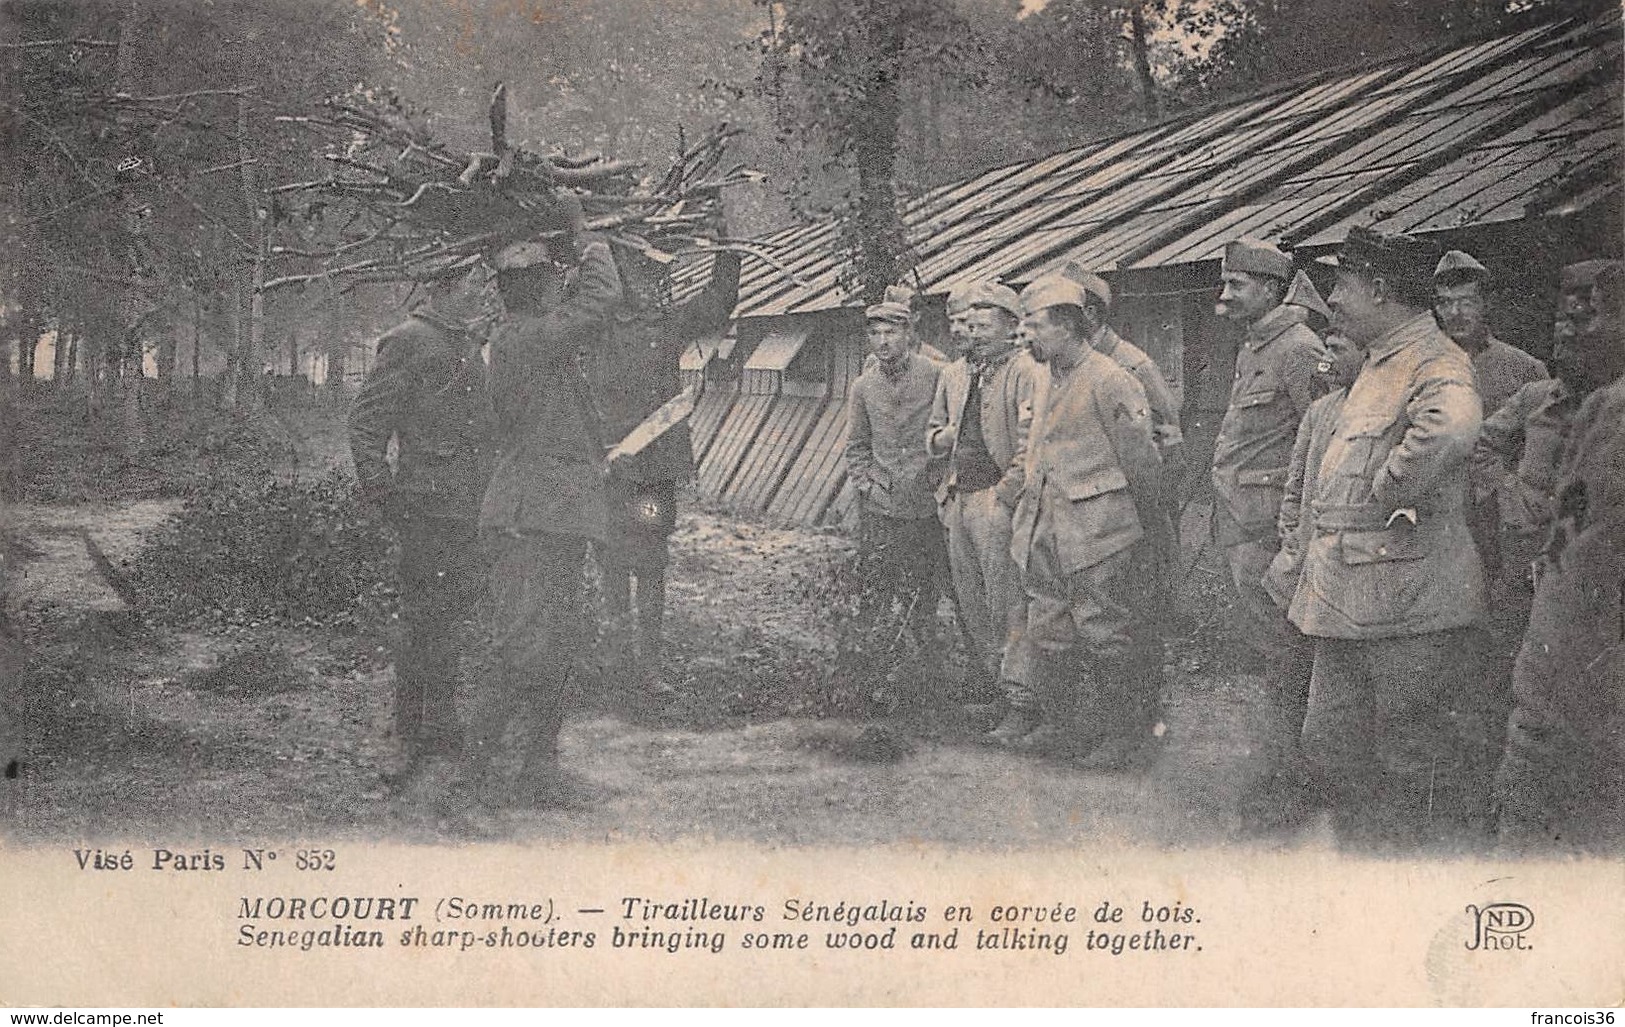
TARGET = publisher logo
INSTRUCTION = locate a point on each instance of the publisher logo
(1500, 926)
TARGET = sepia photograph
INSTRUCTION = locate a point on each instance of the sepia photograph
(662, 480)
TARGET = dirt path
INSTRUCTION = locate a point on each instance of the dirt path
(239, 733)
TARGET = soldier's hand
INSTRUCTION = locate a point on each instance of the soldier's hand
(575, 218)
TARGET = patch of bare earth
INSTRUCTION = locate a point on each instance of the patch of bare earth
(246, 732)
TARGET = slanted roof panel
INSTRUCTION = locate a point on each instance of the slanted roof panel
(1483, 132)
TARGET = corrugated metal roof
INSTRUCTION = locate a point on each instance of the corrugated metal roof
(1507, 128)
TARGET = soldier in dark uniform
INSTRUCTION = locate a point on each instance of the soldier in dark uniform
(427, 391)
(546, 499)
(1562, 777)
(632, 375)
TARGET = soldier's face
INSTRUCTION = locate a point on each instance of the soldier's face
(990, 331)
(1048, 337)
(1589, 354)
(959, 330)
(888, 341)
(1246, 298)
(1573, 316)
(1459, 309)
(1356, 304)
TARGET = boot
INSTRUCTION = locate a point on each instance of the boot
(1016, 725)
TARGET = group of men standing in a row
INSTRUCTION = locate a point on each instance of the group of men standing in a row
(1381, 531)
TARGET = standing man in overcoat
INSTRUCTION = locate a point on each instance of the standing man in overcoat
(427, 391)
(981, 416)
(1561, 782)
(547, 497)
(1085, 534)
(1272, 389)
(632, 375)
(1391, 583)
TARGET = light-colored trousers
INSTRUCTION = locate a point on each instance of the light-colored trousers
(987, 583)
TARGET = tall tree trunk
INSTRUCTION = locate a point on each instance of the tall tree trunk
(1139, 38)
(250, 332)
(881, 241)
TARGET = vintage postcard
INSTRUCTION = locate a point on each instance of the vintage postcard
(821, 502)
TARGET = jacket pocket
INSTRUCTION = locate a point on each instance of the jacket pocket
(1363, 547)
(1097, 484)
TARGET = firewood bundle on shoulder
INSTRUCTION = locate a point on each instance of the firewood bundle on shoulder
(400, 206)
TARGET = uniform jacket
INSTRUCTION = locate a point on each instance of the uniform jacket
(1303, 471)
(1399, 450)
(1093, 473)
(885, 443)
(1502, 370)
(1008, 392)
(427, 389)
(1571, 672)
(1164, 404)
(550, 450)
(1268, 398)
(635, 371)
(1518, 453)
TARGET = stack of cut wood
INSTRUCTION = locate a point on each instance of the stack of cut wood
(400, 206)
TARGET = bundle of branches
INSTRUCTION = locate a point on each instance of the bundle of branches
(400, 206)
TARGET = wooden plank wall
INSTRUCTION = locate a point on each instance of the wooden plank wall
(774, 450)
(713, 406)
(733, 439)
(817, 471)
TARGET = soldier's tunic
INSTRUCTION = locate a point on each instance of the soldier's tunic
(1164, 404)
(1562, 778)
(900, 538)
(1080, 536)
(545, 501)
(632, 374)
(985, 445)
(427, 390)
(1271, 392)
(1501, 370)
(1388, 600)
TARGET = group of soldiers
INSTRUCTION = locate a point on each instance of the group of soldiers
(1424, 532)
(501, 425)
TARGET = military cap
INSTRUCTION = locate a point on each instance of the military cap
(960, 296)
(895, 313)
(1053, 291)
(899, 294)
(1092, 283)
(520, 255)
(987, 294)
(1457, 266)
(1579, 277)
(1302, 293)
(1395, 256)
(1253, 257)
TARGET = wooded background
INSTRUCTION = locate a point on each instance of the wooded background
(139, 140)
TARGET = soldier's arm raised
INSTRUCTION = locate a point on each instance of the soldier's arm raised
(710, 310)
(597, 290)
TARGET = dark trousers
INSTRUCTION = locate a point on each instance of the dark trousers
(1392, 737)
(441, 575)
(1088, 652)
(537, 630)
(1288, 656)
(899, 560)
